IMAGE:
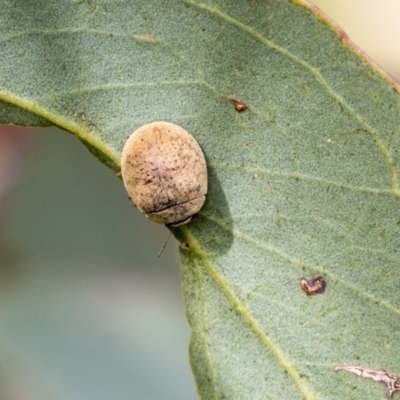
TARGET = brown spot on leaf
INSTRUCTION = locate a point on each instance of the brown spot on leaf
(239, 105)
(392, 382)
(313, 286)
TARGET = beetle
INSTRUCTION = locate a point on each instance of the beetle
(164, 172)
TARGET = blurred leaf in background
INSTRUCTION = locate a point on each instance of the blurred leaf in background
(87, 310)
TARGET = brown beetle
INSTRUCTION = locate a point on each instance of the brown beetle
(164, 171)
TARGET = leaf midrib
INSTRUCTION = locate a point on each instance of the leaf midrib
(247, 316)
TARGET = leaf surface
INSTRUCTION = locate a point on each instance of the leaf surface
(303, 183)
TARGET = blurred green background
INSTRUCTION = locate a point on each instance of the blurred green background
(87, 311)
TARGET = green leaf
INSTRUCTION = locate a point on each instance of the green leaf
(304, 182)
(11, 114)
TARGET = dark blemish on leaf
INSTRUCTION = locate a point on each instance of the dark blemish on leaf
(239, 105)
(392, 382)
(313, 286)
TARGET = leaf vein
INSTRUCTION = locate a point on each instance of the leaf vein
(301, 265)
(250, 320)
(317, 76)
(299, 176)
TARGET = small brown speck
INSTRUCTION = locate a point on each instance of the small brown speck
(239, 105)
(313, 286)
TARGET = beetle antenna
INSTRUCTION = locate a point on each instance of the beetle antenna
(164, 245)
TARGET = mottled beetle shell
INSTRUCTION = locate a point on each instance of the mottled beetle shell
(164, 171)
